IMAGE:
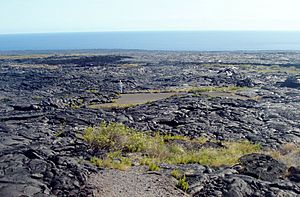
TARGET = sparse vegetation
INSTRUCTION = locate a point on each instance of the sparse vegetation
(153, 167)
(155, 149)
(194, 89)
(120, 142)
(176, 137)
(92, 91)
(256, 98)
(59, 133)
(113, 160)
(177, 174)
(289, 154)
(183, 184)
(75, 104)
(278, 69)
(34, 66)
(114, 137)
(31, 56)
(217, 89)
(132, 65)
(37, 98)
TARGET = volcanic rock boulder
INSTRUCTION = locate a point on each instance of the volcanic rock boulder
(247, 82)
(261, 166)
(257, 175)
(292, 82)
(294, 174)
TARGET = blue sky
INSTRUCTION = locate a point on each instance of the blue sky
(37, 16)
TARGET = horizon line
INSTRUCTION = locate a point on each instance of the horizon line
(131, 31)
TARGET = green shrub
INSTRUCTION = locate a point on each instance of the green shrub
(120, 142)
(177, 174)
(182, 184)
(175, 137)
(153, 167)
(115, 136)
(113, 160)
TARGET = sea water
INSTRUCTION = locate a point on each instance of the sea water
(168, 40)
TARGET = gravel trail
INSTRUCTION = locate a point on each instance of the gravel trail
(135, 182)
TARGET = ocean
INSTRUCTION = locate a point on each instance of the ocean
(172, 40)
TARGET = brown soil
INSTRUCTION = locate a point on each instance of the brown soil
(135, 99)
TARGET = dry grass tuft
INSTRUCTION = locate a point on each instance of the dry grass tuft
(157, 148)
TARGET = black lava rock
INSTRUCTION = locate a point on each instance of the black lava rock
(262, 166)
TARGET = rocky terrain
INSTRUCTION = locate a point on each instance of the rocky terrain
(45, 107)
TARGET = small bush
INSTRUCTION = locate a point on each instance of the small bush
(114, 136)
(113, 160)
(289, 154)
(177, 174)
(153, 167)
(182, 184)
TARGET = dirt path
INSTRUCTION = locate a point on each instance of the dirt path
(126, 100)
(135, 99)
(134, 183)
(142, 98)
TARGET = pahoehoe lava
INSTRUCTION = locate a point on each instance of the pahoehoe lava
(45, 106)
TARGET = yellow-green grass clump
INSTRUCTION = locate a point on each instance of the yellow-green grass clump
(113, 160)
(31, 56)
(133, 65)
(277, 69)
(177, 174)
(153, 167)
(183, 184)
(289, 154)
(195, 89)
(217, 89)
(92, 91)
(155, 149)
